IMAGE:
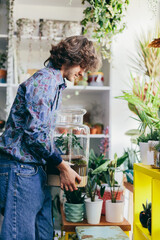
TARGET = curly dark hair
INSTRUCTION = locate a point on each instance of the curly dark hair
(74, 51)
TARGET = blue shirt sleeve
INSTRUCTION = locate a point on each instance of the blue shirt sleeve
(40, 97)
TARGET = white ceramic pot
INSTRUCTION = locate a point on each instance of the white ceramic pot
(144, 147)
(114, 211)
(72, 29)
(93, 210)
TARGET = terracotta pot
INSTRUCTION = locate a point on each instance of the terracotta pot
(3, 75)
(62, 130)
(93, 130)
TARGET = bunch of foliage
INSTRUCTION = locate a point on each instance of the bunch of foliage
(106, 16)
(107, 170)
(91, 187)
(67, 142)
(153, 135)
(147, 60)
(144, 101)
(131, 159)
(75, 196)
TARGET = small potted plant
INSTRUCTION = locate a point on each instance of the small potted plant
(74, 206)
(114, 207)
(104, 180)
(147, 142)
(92, 204)
(145, 214)
(3, 72)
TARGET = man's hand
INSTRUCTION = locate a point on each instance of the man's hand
(68, 177)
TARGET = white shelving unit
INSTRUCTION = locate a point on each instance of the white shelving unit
(95, 100)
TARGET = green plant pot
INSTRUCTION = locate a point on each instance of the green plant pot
(74, 212)
(129, 175)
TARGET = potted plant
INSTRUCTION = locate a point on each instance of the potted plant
(92, 204)
(74, 206)
(145, 214)
(104, 18)
(3, 72)
(113, 207)
(147, 143)
(102, 171)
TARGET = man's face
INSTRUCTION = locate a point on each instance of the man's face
(71, 73)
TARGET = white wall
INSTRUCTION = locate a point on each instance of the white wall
(138, 17)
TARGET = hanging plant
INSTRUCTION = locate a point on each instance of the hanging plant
(106, 19)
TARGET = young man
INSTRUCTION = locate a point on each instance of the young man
(25, 146)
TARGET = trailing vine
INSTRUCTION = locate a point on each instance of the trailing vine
(106, 18)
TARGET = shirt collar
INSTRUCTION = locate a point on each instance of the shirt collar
(59, 78)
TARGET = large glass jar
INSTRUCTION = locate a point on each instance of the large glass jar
(71, 138)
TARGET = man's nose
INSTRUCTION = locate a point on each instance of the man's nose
(81, 73)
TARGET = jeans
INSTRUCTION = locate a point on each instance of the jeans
(25, 202)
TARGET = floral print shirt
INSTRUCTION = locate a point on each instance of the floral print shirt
(27, 136)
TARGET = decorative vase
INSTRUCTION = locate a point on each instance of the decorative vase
(93, 210)
(25, 27)
(143, 152)
(114, 211)
(74, 212)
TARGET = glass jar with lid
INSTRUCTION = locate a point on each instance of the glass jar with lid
(71, 138)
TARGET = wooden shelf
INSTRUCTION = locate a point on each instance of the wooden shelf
(128, 186)
(70, 227)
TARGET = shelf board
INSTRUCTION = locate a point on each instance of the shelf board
(147, 170)
(144, 231)
(98, 136)
(89, 88)
(128, 186)
(70, 226)
(3, 36)
(3, 84)
(57, 39)
(72, 89)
